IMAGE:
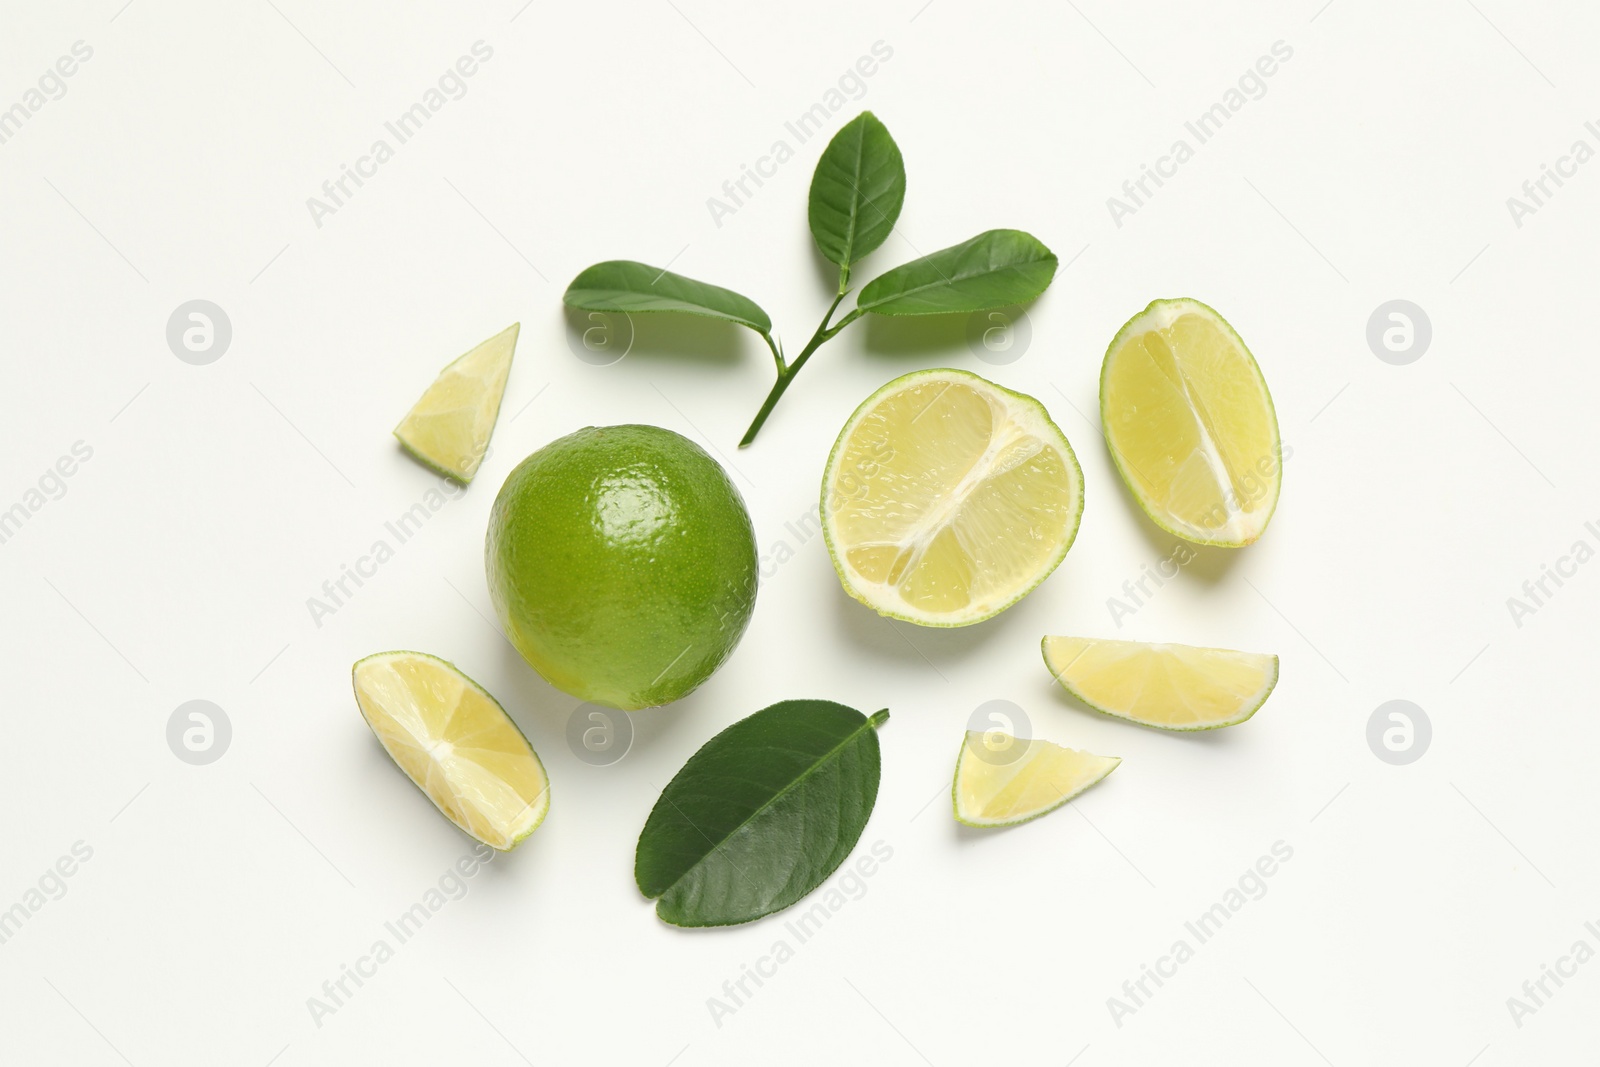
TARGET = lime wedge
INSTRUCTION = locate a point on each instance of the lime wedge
(947, 499)
(448, 429)
(1190, 424)
(456, 743)
(1170, 687)
(1002, 784)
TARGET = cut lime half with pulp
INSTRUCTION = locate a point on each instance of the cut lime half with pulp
(948, 498)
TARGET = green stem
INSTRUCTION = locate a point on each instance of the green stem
(786, 373)
(777, 353)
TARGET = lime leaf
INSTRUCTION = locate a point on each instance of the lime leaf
(623, 285)
(857, 190)
(761, 815)
(993, 270)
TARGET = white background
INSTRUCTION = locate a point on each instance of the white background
(178, 564)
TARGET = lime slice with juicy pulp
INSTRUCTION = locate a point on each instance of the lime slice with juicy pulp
(1017, 779)
(1170, 687)
(1190, 424)
(457, 743)
(947, 498)
(448, 429)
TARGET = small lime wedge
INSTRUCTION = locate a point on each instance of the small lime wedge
(1015, 780)
(448, 429)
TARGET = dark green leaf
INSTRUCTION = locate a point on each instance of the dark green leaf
(994, 269)
(857, 191)
(623, 285)
(761, 815)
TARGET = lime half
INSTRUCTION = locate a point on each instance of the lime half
(947, 499)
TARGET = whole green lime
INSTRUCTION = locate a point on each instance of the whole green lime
(622, 562)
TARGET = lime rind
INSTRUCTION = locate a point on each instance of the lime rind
(1247, 707)
(431, 464)
(1171, 308)
(543, 807)
(1031, 404)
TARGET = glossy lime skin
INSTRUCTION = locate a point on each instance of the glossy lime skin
(622, 562)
